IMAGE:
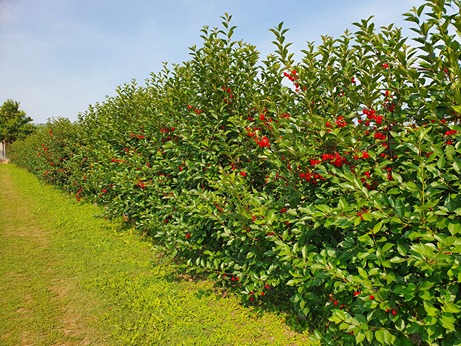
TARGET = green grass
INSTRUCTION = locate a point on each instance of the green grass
(69, 278)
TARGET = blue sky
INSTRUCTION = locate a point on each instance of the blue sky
(59, 56)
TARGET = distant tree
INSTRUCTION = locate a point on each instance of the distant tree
(14, 123)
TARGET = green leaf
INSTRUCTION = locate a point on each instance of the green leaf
(399, 207)
(430, 309)
(441, 162)
(401, 249)
(390, 277)
(457, 165)
(323, 207)
(292, 212)
(451, 307)
(362, 272)
(386, 247)
(384, 337)
(407, 291)
(447, 320)
(397, 259)
(454, 228)
(270, 217)
(342, 204)
(369, 335)
(450, 150)
(367, 216)
(412, 147)
(338, 316)
(377, 227)
(399, 324)
(457, 108)
(397, 177)
(427, 250)
(292, 282)
(359, 338)
(304, 251)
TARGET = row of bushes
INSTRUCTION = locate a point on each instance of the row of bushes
(334, 180)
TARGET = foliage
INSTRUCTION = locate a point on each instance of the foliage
(14, 123)
(333, 180)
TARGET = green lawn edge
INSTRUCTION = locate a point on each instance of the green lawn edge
(121, 285)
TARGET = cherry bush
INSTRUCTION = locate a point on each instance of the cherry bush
(333, 180)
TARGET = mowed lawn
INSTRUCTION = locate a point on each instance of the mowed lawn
(69, 277)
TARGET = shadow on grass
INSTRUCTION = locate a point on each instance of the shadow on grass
(276, 301)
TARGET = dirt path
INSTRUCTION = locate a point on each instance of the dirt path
(37, 301)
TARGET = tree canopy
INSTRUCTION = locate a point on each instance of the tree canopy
(14, 123)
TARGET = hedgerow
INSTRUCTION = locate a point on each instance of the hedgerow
(334, 180)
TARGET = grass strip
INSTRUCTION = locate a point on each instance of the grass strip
(71, 278)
